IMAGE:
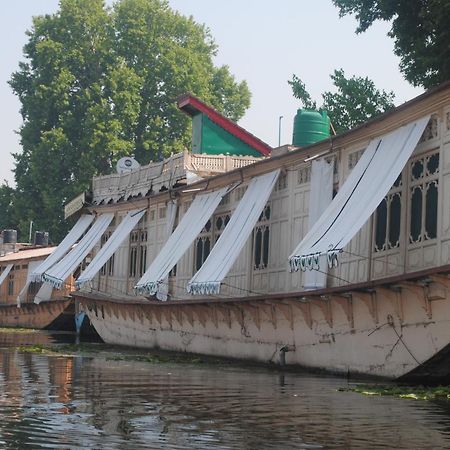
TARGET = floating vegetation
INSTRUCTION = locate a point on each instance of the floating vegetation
(411, 392)
(17, 330)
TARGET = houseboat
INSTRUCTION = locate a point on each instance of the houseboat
(332, 255)
(24, 302)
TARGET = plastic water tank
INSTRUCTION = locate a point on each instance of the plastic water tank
(41, 238)
(10, 236)
(310, 126)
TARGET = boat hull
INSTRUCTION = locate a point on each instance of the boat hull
(389, 332)
(50, 315)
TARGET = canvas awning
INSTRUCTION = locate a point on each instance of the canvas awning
(191, 224)
(207, 280)
(364, 189)
(5, 273)
(111, 245)
(74, 234)
(44, 294)
(320, 197)
(22, 296)
(57, 274)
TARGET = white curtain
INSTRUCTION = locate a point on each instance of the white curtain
(44, 294)
(163, 288)
(366, 186)
(57, 275)
(74, 234)
(233, 238)
(32, 265)
(111, 245)
(5, 273)
(181, 239)
(320, 196)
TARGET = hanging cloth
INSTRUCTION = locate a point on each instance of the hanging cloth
(66, 244)
(233, 238)
(200, 211)
(110, 247)
(365, 187)
(57, 275)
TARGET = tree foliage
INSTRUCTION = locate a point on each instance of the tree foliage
(354, 101)
(98, 84)
(421, 33)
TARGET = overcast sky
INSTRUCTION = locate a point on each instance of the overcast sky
(262, 41)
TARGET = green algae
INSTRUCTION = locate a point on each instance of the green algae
(17, 330)
(407, 392)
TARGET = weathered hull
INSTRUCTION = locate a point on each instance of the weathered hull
(51, 315)
(390, 331)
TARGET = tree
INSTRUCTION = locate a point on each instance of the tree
(6, 206)
(98, 84)
(420, 31)
(355, 101)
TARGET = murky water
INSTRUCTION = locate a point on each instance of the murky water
(97, 401)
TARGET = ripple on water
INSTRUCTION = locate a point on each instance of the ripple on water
(71, 403)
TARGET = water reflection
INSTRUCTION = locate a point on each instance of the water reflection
(100, 402)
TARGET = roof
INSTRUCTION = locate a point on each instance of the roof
(21, 255)
(192, 105)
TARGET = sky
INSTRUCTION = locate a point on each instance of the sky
(263, 42)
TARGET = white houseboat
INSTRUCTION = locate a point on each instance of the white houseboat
(330, 256)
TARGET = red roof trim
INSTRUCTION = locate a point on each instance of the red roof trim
(192, 105)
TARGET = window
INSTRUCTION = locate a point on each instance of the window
(304, 175)
(354, 157)
(138, 253)
(203, 245)
(388, 219)
(11, 285)
(107, 268)
(281, 182)
(424, 173)
(261, 235)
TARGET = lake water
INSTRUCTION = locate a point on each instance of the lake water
(100, 400)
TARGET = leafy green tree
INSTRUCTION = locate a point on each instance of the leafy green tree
(100, 83)
(354, 101)
(7, 217)
(421, 33)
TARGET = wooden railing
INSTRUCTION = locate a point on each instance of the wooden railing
(166, 173)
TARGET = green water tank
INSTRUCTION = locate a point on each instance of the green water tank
(310, 126)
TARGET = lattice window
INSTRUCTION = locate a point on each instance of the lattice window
(108, 267)
(282, 182)
(261, 236)
(203, 245)
(388, 219)
(304, 175)
(431, 130)
(142, 252)
(134, 249)
(220, 222)
(424, 191)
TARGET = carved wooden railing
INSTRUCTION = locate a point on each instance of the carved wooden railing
(155, 176)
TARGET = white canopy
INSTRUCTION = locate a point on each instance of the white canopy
(5, 273)
(60, 271)
(207, 280)
(358, 198)
(111, 245)
(32, 265)
(181, 239)
(163, 288)
(320, 196)
(74, 234)
(44, 294)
